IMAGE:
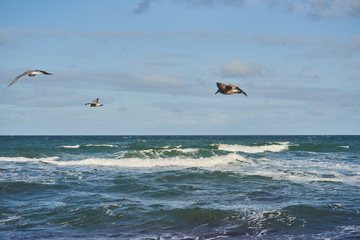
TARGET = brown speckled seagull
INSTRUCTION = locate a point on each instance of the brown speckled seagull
(30, 73)
(228, 89)
(94, 103)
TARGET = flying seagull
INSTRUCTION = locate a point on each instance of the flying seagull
(94, 103)
(228, 89)
(30, 73)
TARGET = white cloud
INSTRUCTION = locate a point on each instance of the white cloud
(237, 68)
(12, 37)
(142, 7)
(333, 8)
(320, 8)
(313, 8)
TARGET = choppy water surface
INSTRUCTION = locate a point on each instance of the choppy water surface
(180, 187)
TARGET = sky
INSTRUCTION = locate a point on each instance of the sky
(154, 65)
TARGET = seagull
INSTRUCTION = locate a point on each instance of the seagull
(228, 89)
(94, 103)
(30, 73)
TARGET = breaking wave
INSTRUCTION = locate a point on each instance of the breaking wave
(89, 145)
(151, 163)
(273, 147)
(25, 159)
(101, 145)
(181, 162)
(71, 146)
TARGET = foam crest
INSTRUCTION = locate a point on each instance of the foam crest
(24, 159)
(187, 150)
(293, 171)
(275, 147)
(101, 145)
(71, 146)
(151, 163)
(168, 150)
(89, 145)
(179, 149)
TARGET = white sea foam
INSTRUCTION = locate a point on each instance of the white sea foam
(24, 159)
(179, 149)
(167, 150)
(101, 145)
(9, 219)
(297, 177)
(187, 150)
(274, 147)
(71, 146)
(151, 163)
(161, 152)
(294, 170)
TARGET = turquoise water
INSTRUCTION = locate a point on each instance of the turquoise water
(180, 187)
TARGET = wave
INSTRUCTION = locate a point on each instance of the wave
(165, 150)
(274, 147)
(141, 161)
(151, 163)
(89, 145)
(101, 145)
(25, 159)
(71, 146)
(180, 149)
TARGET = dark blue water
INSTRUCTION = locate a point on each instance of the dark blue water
(180, 187)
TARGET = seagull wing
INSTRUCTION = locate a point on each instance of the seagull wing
(18, 77)
(44, 72)
(96, 100)
(221, 86)
(241, 91)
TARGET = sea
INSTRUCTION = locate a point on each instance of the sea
(180, 187)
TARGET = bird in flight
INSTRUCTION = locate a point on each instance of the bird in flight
(30, 73)
(94, 103)
(228, 89)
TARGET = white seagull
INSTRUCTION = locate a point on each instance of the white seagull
(94, 103)
(30, 73)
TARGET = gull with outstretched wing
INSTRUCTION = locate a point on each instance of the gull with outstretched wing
(228, 89)
(30, 73)
(94, 103)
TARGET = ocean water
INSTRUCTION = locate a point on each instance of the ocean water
(179, 187)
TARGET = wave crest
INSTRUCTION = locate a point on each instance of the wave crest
(25, 159)
(274, 147)
(151, 163)
(71, 146)
(101, 145)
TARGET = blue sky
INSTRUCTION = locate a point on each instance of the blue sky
(154, 65)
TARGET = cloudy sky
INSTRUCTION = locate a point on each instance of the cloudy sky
(154, 65)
